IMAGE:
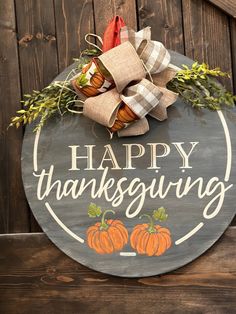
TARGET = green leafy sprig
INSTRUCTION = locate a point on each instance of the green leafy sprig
(198, 87)
(43, 104)
(55, 98)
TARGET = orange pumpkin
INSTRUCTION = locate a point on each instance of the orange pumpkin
(117, 126)
(107, 236)
(150, 239)
(125, 114)
(89, 90)
(97, 80)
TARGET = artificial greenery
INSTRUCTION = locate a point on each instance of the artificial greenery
(53, 98)
(198, 87)
(57, 97)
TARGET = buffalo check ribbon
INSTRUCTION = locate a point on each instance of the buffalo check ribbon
(141, 97)
(129, 63)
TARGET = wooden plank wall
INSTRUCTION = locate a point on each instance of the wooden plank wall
(38, 39)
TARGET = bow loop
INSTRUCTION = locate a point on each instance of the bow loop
(154, 55)
(103, 108)
(123, 71)
(135, 38)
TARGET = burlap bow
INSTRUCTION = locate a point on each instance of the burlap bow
(124, 107)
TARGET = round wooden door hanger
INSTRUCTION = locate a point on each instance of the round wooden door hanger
(135, 206)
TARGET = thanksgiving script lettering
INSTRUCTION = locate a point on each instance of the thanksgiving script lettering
(115, 189)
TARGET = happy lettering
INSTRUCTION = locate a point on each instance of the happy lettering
(131, 152)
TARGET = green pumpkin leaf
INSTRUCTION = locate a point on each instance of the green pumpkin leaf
(94, 210)
(160, 214)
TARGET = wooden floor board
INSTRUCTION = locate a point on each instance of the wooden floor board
(36, 277)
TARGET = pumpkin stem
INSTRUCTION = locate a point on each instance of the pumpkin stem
(104, 225)
(151, 228)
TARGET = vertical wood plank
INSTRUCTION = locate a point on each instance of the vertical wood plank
(106, 10)
(233, 54)
(207, 37)
(74, 19)
(14, 215)
(233, 49)
(37, 48)
(37, 43)
(165, 19)
(228, 6)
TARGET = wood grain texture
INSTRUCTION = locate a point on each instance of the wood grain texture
(36, 277)
(105, 10)
(37, 43)
(37, 48)
(228, 6)
(233, 49)
(207, 36)
(12, 195)
(165, 18)
(74, 19)
(233, 53)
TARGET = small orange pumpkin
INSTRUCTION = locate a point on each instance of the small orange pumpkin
(125, 114)
(107, 236)
(97, 80)
(150, 239)
(117, 126)
(89, 90)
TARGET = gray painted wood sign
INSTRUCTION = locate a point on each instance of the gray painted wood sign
(136, 206)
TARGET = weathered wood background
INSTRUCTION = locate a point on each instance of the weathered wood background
(38, 39)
